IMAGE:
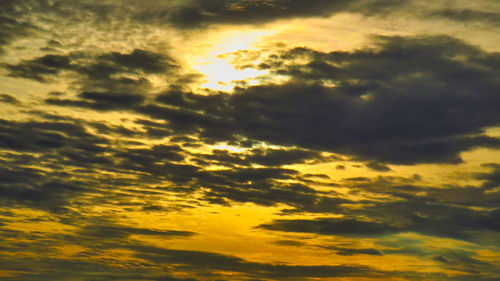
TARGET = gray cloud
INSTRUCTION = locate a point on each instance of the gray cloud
(94, 67)
(109, 231)
(469, 16)
(5, 98)
(393, 112)
(332, 227)
(393, 218)
(353, 251)
(12, 27)
(390, 113)
(387, 105)
(38, 69)
(202, 260)
(197, 13)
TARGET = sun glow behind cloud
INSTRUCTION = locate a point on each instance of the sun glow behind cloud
(214, 59)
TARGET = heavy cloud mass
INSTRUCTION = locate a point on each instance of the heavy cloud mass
(405, 101)
(249, 140)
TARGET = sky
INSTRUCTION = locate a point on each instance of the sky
(252, 140)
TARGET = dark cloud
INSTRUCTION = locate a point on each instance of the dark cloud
(99, 67)
(453, 258)
(37, 188)
(143, 60)
(68, 143)
(469, 16)
(170, 278)
(86, 269)
(40, 69)
(378, 167)
(332, 227)
(320, 176)
(111, 81)
(266, 157)
(20, 15)
(196, 14)
(392, 218)
(38, 154)
(276, 157)
(9, 99)
(491, 178)
(200, 261)
(110, 100)
(234, 12)
(387, 106)
(102, 101)
(406, 188)
(393, 112)
(45, 135)
(457, 223)
(353, 251)
(289, 243)
(187, 121)
(379, 7)
(315, 117)
(11, 27)
(156, 263)
(441, 259)
(120, 232)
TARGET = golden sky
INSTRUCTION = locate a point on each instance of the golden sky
(346, 140)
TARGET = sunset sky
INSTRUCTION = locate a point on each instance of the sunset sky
(252, 140)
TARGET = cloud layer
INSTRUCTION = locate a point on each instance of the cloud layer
(376, 161)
